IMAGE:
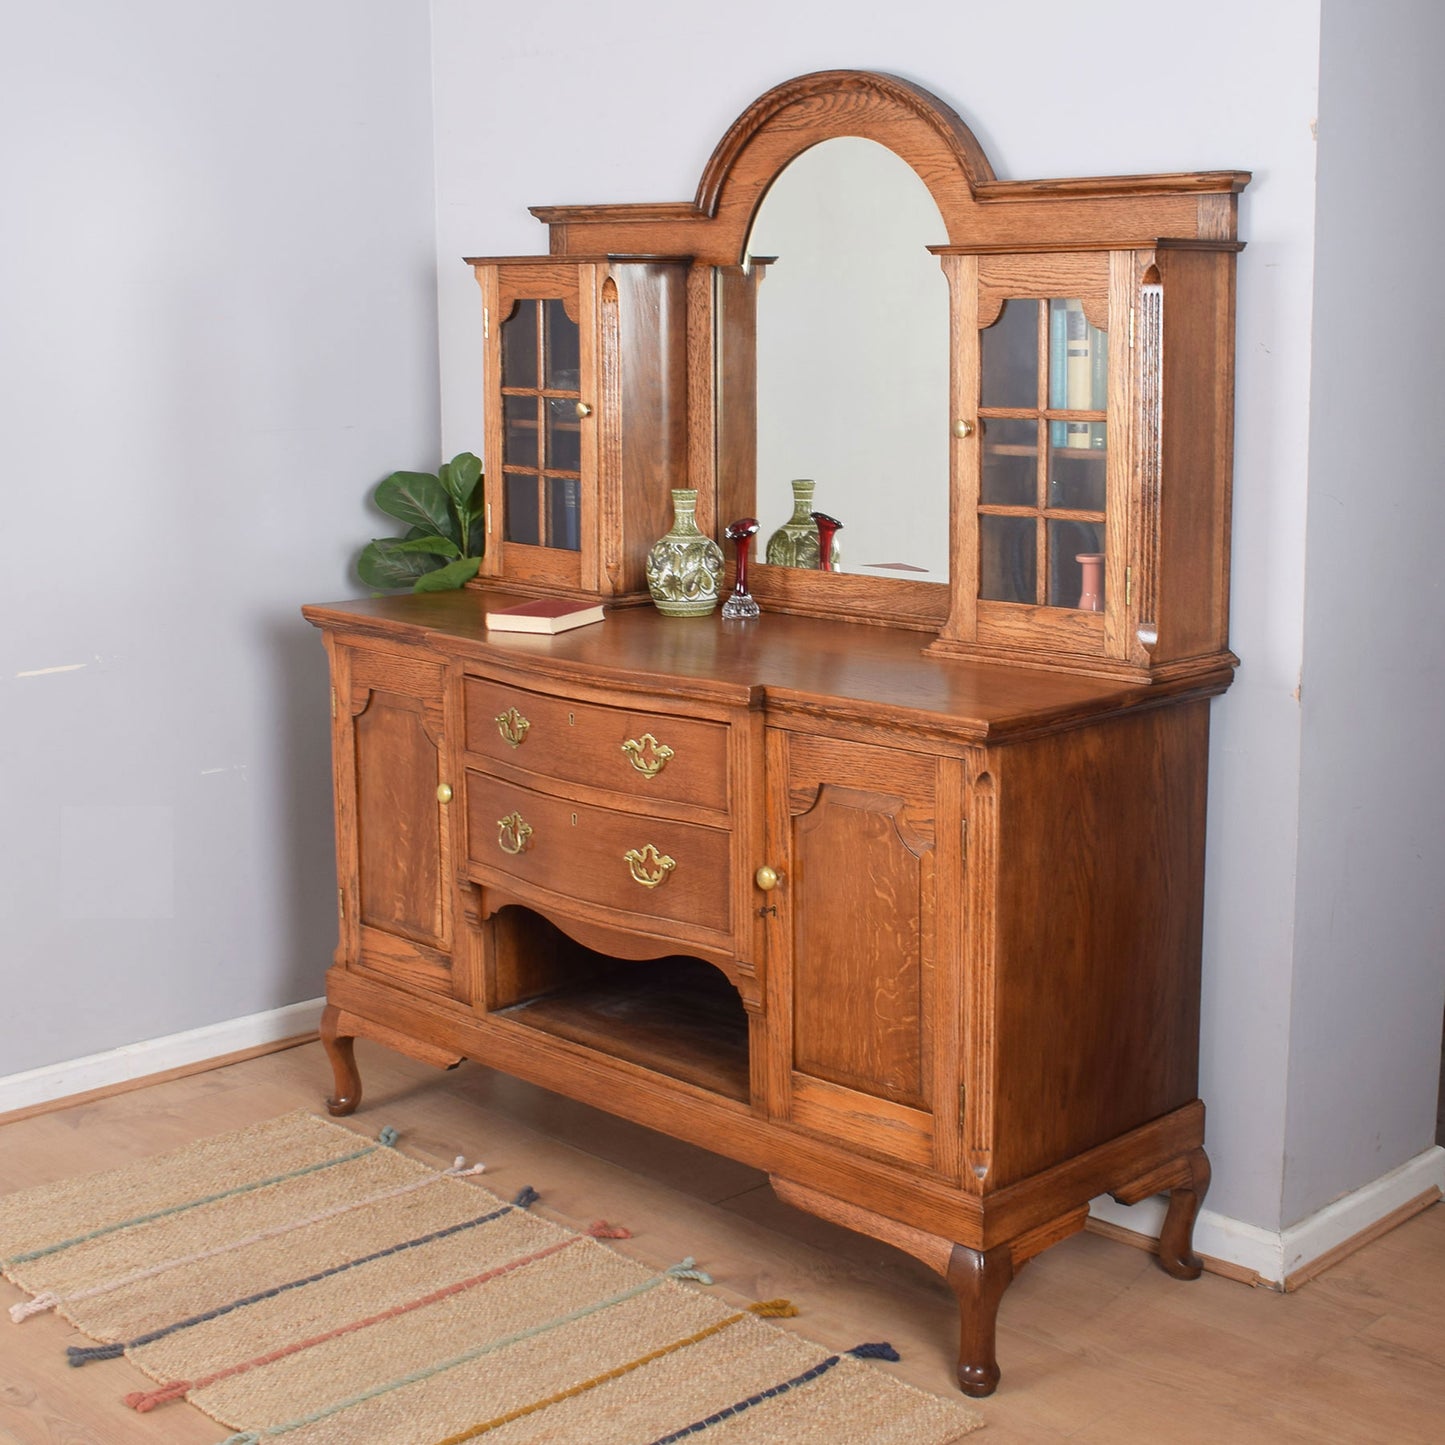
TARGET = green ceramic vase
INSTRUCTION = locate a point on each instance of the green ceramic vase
(684, 567)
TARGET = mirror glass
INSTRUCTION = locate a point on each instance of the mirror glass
(852, 357)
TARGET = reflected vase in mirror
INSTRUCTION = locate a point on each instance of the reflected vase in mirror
(684, 566)
(741, 606)
(795, 543)
(828, 529)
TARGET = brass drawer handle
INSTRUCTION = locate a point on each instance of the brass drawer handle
(648, 867)
(647, 755)
(513, 834)
(512, 726)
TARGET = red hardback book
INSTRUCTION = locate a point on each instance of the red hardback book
(546, 614)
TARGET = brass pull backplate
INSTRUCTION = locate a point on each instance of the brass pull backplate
(648, 867)
(647, 755)
(513, 834)
(512, 726)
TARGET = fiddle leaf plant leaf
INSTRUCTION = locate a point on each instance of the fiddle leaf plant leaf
(435, 546)
(420, 500)
(460, 476)
(454, 574)
(386, 564)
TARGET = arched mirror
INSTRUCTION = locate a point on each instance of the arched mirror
(852, 359)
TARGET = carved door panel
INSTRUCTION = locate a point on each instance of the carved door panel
(392, 795)
(860, 1018)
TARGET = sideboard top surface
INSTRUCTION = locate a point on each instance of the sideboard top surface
(796, 663)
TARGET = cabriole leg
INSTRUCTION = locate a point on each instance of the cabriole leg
(978, 1279)
(1176, 1239)
(340, 1049)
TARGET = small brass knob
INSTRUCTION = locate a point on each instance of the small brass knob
(766, 878)
(444, 792)
(962, 428)
(583, 409)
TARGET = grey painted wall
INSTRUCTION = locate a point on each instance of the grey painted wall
(571, 113)
(1369, 980)
(217, 331)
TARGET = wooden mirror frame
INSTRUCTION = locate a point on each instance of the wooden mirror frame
(981, 214)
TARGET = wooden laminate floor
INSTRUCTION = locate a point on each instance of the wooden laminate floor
(1096, 1343)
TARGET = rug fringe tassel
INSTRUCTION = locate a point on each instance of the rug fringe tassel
(600, 1229)
(78, 1355)
(45, 1300)
(775, 1309)
(526, 1197)
(882, 1350)
(688, 1269)
(147, 1400)
(387, 1137)
(248, 1437)
(461, 1170)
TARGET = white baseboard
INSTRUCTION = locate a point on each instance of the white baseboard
(1277, 1255)
(156, 1056)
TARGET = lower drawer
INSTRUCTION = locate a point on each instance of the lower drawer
(626, 862)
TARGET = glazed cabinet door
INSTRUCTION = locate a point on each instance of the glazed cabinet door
(394, 818)
(1092, 424)
(586, 366)
(540, 333)
(1044, 464)
(863, 1018)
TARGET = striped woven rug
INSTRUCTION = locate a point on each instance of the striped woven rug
(300, 1282)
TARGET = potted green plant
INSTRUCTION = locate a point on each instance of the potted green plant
(445, 511)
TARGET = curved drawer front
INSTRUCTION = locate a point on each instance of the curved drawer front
(648, 866)
(642, 754)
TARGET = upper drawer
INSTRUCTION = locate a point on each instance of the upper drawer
(643, 754)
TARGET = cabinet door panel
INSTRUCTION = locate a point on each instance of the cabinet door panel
(858, 922)
(399, 841)
(859, 914)
(390, 765)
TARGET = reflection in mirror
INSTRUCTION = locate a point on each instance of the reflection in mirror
(852, 357)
